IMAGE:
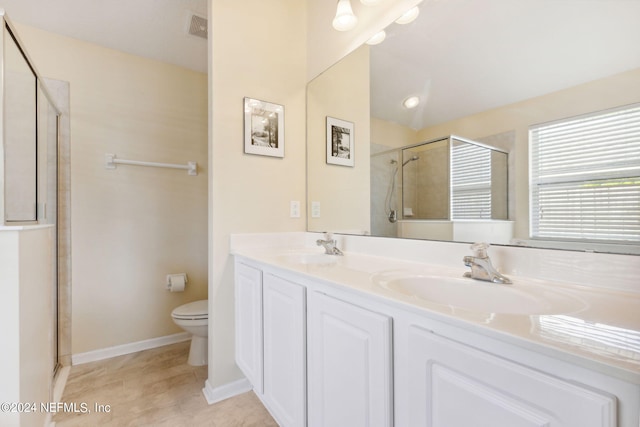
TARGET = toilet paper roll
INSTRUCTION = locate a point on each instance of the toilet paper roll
(176, 282)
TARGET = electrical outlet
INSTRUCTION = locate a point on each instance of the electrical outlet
(315, 209)
(294, 209)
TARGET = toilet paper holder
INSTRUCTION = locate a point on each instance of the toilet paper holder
(176, 278)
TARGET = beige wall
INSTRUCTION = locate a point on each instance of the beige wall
(343, 192)
(26, 308)
(601, 94)
(391, 135)
(257, 49)
(134, 225)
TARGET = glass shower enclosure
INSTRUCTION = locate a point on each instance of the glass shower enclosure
(448, 188)
(29, 129)
(454, 178)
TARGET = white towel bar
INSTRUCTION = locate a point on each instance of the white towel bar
(111, 161)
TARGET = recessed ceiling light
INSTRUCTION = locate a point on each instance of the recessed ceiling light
(409, 16)
(377, 38)
(411, 102)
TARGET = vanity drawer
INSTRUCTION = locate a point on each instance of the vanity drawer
(457, 385)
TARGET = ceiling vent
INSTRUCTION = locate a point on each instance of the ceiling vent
(197, 25)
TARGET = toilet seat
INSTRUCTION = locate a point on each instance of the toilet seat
(197, 310)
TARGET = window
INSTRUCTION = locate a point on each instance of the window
(470, 182)
(585, 177)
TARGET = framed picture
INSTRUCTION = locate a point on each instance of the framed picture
(340, 142)
(263, 128)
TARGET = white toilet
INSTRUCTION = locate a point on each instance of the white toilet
(194, 318)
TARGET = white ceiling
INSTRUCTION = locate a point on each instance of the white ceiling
(154, 29)
(460, 56)
(466, 56)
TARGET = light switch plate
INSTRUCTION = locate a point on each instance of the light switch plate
(315, 209)
(294, 209)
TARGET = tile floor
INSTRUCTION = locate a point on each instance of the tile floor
(152, 388)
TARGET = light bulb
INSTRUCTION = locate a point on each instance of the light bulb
(345, 20)
(411, 102)
(409, 16)
(377, 38)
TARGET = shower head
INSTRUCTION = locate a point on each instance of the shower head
(410, 160)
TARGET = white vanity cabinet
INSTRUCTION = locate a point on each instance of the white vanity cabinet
(284, 320)
(350, 365)
(270, 341)
(324, 355)
(453, 384)
(248, 316)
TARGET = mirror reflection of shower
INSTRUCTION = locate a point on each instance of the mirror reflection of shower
(427, 188)
(410, 160)
(392, 214)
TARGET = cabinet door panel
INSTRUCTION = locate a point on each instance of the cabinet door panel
(456, 385)
(349, 365)
(248, 294)
(284, 350)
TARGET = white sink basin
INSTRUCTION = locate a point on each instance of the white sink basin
(309, 258)
(479, 296)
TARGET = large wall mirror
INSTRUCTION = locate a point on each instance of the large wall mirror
(493, 79)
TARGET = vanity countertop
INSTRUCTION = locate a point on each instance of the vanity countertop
(602, 334)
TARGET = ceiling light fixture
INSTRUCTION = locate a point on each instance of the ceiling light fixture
(409, 16)
(411, 102)
(377, 38)
(345, 20)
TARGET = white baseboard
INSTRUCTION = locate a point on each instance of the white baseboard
(214, 395)
(119, 350)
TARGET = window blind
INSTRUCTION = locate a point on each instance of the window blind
(585, 177)
(470, 182)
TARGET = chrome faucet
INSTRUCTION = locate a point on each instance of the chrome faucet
(329, 245)
(481, 267)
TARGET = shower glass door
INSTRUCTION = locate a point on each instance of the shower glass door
(20, 135)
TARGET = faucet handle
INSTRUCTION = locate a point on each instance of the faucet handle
(480, 249)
